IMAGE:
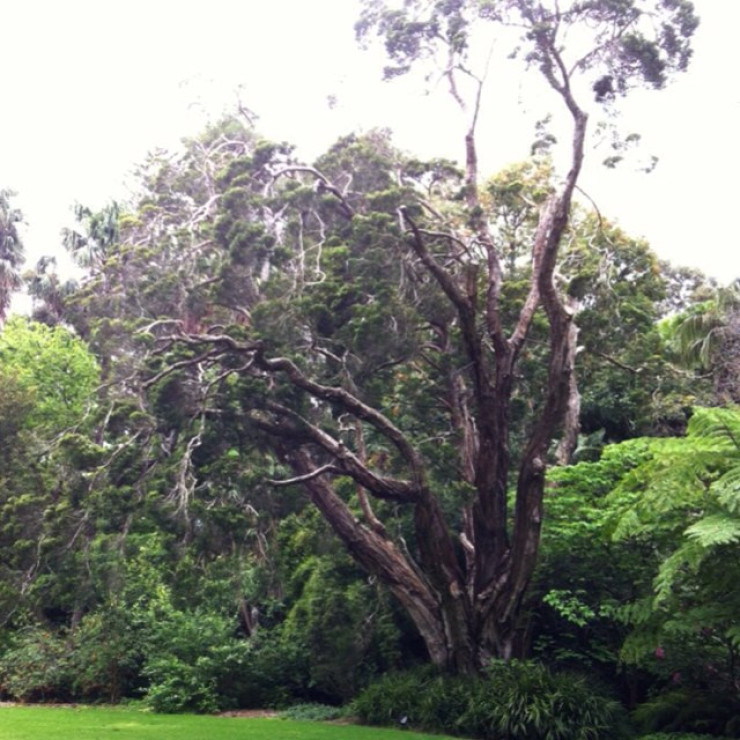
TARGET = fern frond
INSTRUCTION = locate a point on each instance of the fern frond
(636, 612)
(715, 529)
(733, 633)
(722, 424)
(628, 525)
(727, 490)
(674, 568)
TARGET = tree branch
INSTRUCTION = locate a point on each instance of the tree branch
(352, 405)
(323, 185)
(323, 470)
(348, 463)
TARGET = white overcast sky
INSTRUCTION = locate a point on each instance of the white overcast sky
(89, 86)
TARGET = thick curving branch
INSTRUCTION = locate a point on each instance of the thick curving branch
(352, 405)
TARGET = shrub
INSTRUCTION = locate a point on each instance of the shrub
(690, 710)
(195, 663)
(393, 698)
(190, 656)
(515, 700)
(178, 686)
(37, 667)
(343, 626)
(105, 655)
(526, 700)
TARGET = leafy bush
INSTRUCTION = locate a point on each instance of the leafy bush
(342, 624)
(526, 700)
(105, 655)
(393, 698)
(191, 656)
(513, 700)
(195, 663)
(690, 710)
(178, 686)
(37, 667)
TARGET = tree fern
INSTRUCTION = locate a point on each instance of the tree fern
(686, 560)
(715, 529)
(684, 499)
(727, 489)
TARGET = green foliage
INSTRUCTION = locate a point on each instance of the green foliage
(705, 338)
(584, 577)
(105, 652)
(177, 686)
(394, 697)
(344, 626)
(36, 666)
(689, 710)
(48, 380)
(202, 667)
(688, 493)
(512, 700)
(635, 55)
(338, 620)
(527, 701)
(639, 555)
(52, 365)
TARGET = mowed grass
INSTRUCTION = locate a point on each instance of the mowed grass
(97, 723)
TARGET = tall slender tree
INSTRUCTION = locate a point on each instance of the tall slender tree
(11, 250)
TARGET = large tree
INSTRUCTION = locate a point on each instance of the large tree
(381, 330)
(398, 340)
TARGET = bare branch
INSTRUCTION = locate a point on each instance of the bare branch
(323, 185)
(442, 276)
(175, 366)
(323, 470)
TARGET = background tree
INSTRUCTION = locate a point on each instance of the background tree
(11, 250)
(705, 339)
(49, 379)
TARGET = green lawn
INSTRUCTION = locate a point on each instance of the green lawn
(93, 723)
